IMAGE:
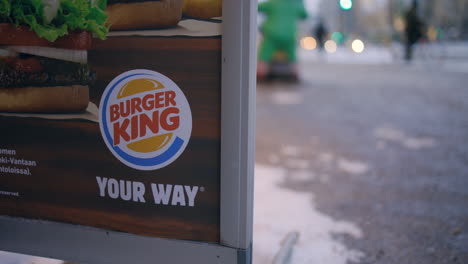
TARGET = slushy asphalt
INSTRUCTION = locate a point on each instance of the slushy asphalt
(367, 161)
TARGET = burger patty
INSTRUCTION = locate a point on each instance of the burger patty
(53, 73)
(110, 2)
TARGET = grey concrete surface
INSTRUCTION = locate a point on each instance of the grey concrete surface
(385, 147)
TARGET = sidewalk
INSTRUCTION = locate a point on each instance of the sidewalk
(445, 56)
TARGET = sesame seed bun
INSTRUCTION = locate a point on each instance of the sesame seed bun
(144, 15)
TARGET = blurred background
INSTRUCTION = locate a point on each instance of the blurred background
(362, 141)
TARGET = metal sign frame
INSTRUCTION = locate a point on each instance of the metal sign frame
(90, 245)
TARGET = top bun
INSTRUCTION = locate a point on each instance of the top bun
(203, 9)
(144, 15)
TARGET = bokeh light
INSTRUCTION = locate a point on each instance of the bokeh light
(308, 43)
(338, 37)
(346, 4)
(330, 46)
(399, 24)
(432, 33)
(358, 46)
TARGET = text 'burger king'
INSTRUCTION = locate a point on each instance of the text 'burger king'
(145, 119)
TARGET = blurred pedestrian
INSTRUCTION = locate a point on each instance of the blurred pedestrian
(320, 33)
(279, 32)
(413, 30)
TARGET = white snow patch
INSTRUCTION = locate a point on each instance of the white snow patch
(290, 150)
(352, 166)
(279, 211)
(389, 133)
(287, 98)
(12, 258)
(419, 143)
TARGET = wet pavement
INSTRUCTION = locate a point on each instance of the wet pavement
(368, 162)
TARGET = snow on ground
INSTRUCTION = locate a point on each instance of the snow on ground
(286, 98)
(279, 211)
(12, 258)
(388, 133)
(352, 166)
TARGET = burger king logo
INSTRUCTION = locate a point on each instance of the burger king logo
(145, 119)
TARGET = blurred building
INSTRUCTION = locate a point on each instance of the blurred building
(382, 20)
(366, 19)
(449, 15)
(448, 18)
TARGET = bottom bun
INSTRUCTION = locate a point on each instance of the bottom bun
(55, 99)
(142, 15)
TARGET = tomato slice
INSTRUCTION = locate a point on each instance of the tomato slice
(29, 65)
(81, 40)
(23, 36)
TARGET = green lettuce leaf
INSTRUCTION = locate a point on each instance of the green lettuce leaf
(83, 15)
(86, 15)
(5, 8)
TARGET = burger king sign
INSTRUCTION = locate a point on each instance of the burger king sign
(145, 119)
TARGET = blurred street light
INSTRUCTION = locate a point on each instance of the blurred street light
(330, 46)
(338, 37)
(432, 33)
(308, 43)
(358, 46)
(346, 4)
(399, 24)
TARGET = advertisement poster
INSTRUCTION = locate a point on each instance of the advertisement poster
(110, 114)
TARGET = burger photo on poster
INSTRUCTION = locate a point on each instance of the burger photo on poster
(156, 14)
(202, 9)
(135, 14)
(43, 53)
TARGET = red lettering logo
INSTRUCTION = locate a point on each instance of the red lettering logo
(141, 117)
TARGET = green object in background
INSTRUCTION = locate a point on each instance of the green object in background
(338, 37)
(440, 33)
(280, 28)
